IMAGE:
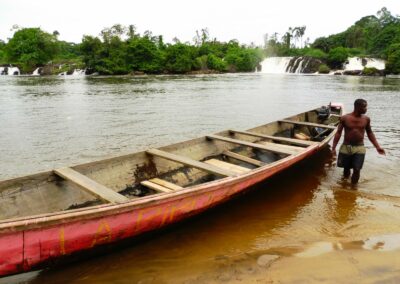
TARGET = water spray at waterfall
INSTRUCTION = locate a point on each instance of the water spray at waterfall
(275, 65)
(308, 65)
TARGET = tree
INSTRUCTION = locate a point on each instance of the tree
(243, 59)
(300, 31)
(91, 48)
(31, 47)
(143, 55)
(2, 52)
(393, 61)
(179, 58)
(385, 17)
(336, 57)
(131, 32)
(115, 31)
(287, 37)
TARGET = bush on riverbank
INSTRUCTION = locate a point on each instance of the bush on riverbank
(323, 69)
(393, 61)
(370, 71)
(31, 47)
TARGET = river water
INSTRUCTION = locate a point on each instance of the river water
(304, 225)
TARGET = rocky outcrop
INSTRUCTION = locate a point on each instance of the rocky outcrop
(303, 64)
(352, 72)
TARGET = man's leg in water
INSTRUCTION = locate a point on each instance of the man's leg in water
(355, 177)
(346, 172)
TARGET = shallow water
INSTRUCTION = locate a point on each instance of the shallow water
(304, 225)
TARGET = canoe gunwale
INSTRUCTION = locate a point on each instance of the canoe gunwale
(49, 219)
(64, 217)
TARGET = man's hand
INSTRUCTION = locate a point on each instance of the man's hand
(333, 151)
(381, 151)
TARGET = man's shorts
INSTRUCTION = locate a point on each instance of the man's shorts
(351, 156)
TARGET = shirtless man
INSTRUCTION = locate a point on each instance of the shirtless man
(352, 151)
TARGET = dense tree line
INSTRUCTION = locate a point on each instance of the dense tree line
(121, 50)
(372, 36)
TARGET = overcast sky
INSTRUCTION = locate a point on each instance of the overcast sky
(246, 21)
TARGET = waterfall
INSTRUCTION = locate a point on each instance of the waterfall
(11, 71)
(282, 65)
(309, 65)
(357, 63)
(79, 72)
(36, 72)
(275, 65)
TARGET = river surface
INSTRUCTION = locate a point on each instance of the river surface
(304, 225)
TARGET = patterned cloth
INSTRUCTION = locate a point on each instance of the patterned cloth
(351, 156)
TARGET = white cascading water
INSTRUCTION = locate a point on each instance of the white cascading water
(279, 65)
(11, 71)
(36, 72)
(79, 72)
(275, 65)
(355, 63)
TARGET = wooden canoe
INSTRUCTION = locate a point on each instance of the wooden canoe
(55, 214)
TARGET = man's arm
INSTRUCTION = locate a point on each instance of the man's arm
(372, 138)
(337, 136)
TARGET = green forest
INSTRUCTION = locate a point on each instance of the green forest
(122, 50)
(372, 36)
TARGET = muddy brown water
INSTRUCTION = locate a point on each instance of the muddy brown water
(304, 225)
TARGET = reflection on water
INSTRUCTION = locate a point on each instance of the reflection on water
(304, 225)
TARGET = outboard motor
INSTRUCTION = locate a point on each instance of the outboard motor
(323, 113)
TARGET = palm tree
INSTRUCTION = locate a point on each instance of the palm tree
(300, 31)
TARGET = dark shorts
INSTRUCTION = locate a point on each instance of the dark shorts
(351, 157)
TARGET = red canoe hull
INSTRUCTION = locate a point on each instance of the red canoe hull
(27, 244)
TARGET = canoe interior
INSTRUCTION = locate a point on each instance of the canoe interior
(47, 192)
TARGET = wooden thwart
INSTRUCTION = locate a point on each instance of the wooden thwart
(308, 124)
(277, 148)
(190, 162)
(243, 158)
(276, 138)
(155, 186)
(90, 185)
(227, 166)
(166, 184)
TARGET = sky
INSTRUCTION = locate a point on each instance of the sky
(245, 21)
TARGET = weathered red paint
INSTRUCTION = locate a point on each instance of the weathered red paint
(27, 243)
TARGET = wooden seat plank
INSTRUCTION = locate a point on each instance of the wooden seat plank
(276, 138)
(308, 124)
(277, 148)
(243, 158)
(227, 166)
(90, 185)
(190, 162)
(166, 184)
(155, 186)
